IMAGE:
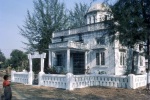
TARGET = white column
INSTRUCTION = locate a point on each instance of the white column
(69, 83)
(30, 76)
(43, 55)
(12, 76)
(86, 60)
(30, 62)
(42, 64)
(68, 60)
(50, 59)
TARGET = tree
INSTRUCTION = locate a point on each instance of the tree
(128, 23)
(48, 16)
(132, 22)
(18, 59)
(76, 18)
(2, 59)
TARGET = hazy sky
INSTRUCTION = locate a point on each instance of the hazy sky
(12, 15)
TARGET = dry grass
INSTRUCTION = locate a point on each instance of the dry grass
(90, 93)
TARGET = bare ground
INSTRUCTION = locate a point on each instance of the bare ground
(90, 93)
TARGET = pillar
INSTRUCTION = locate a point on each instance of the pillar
(85, 61)
(50, 59)
(68, 60)
(12, 76)
(43, 55)
(30, 75)
(30, 62)
(42, 64)
(69, 81)
(131, 81)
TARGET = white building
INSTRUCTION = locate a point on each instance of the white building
(89, 48)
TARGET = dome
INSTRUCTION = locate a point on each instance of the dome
(98, 7)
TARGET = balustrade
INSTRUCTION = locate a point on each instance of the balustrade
(70, 81)
(21, 77)
(87, 28)
(70, 44)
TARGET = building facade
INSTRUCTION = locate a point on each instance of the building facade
(88, 49)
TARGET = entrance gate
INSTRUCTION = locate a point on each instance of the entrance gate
(31, 74)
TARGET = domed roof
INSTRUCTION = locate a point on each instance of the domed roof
(98, 7)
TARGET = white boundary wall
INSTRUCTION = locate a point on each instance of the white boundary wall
(70, 81)
(20, 77)
(54, 80)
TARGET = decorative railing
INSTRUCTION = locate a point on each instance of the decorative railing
(69, 44)
(70, 81)
(139, 81)
(20, 77)
(99, 46)
(81, 81)
(87, 28)
(54, 80)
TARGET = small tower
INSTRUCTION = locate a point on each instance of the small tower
(98, 13)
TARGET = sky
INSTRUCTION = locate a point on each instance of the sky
(12, 15)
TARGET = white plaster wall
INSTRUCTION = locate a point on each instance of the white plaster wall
(119, 69)
(91, 57)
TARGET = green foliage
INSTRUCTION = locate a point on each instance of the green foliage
(129, 22)
(51, 70)
(36, 65)
(18, 59)
(2, 59)
(77, 15)
(48, 16)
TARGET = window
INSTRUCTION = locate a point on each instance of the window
(122, 58)
(94, 18)
(97, 59)
(141, 61)
(90, 20)
(62, 38)
(140, 47)
(100, 58)
(101, 40)
(106, 17)
(59, 60)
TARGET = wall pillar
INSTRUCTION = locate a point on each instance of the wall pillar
(69, 83)
(30, 76)
(68, 60)
(42, 56)
(86, 60)
(30, 62)
(131, 81)
(12, 76)
(50, 59)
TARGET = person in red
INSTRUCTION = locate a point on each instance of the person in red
(7, 88)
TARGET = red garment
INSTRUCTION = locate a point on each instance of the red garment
(6, 83)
